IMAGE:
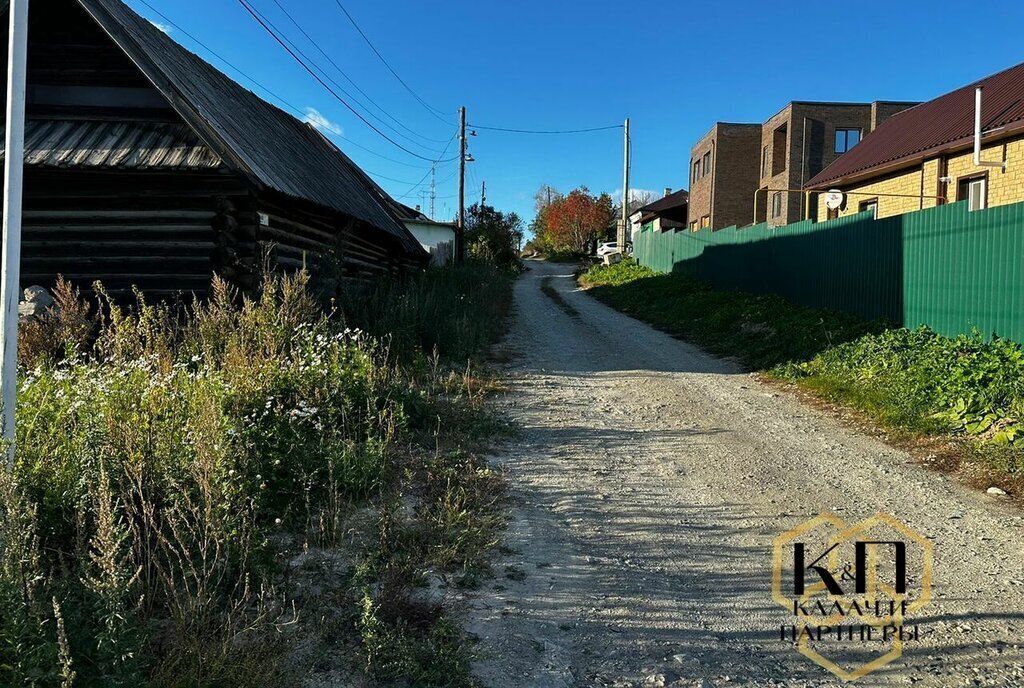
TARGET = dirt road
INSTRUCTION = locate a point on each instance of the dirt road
(648, 484)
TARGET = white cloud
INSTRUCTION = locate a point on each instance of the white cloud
(314, 117)
(163, 27)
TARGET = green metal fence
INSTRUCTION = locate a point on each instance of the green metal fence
(944, 267)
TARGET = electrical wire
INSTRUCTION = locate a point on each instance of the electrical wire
(310, 63)
(341, 71)
(439, 114)
(255, 15)
(539, 131)
(289, 106)
(433, 169)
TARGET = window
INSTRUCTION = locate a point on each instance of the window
(870, 206)
(780, 140)
(707, 163)
(705, 221)
(974, 190)
(777, 204)
(846, 139)
(832, 214)
(696, 170)
(693, 226)
(764, 162)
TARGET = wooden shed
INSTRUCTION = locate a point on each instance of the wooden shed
(147, 166)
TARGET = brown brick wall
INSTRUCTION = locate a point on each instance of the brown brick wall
(810, 148)
(700, 189)
(883, 110)
(726, 195)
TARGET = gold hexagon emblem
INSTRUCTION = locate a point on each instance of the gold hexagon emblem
(849, 590)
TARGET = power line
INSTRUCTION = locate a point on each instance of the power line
(255, 15)
(434, 111)
(306, 61)
(297, 111)
(538, 131)
(341, 71)
(421, 181)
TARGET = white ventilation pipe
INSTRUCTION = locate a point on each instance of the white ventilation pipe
(977, 134)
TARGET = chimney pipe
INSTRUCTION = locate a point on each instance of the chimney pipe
(668, 191)
(977, 135)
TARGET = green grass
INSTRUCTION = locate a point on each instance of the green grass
(170, 463)
(760, 331)
(912, 381)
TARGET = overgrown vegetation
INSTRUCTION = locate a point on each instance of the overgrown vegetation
(914, 381)
(184, 474)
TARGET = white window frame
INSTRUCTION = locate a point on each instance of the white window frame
(977, 186)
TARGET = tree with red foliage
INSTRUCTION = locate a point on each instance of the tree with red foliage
(574, 222)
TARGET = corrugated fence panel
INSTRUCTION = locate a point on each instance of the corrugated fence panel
(944, 267)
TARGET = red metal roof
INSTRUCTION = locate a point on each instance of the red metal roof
(929, 128)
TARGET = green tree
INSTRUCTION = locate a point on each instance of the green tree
(493, 236)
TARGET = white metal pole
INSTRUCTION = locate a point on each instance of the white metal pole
(977, 126)
(10, 269)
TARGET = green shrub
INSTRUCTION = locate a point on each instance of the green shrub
(922, 381)
(457, 311)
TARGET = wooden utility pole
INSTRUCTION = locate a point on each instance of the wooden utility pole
(14, 167)
(623, 233)
(460, 240)
(483, 193)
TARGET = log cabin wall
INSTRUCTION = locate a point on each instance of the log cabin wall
(299, 235)
(155, 231)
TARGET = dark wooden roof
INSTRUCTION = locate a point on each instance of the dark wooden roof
(928, 129)
(265, 144)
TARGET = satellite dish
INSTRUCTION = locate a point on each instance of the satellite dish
(833, 199)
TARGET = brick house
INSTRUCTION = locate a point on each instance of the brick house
(923, 157)
(723, 176)
(801, 140)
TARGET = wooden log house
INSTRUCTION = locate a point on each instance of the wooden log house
(147, 166)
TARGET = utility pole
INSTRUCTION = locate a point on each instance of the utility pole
(483, 193)
(623, 232)
(14, 166)
(460, 239)
(433, 189)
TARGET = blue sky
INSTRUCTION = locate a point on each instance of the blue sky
(674, 68)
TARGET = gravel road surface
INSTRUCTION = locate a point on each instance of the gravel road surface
(648, 484)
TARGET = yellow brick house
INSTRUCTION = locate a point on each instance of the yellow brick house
(924, 156)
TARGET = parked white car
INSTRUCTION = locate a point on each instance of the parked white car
(610, 247)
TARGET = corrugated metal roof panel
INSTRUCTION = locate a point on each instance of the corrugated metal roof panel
(944, 122)
(115, 145)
